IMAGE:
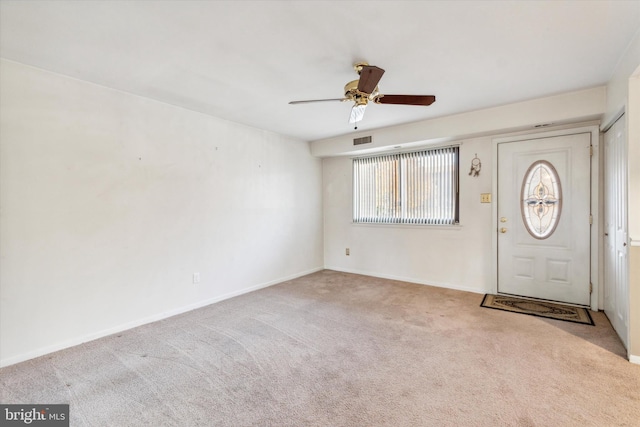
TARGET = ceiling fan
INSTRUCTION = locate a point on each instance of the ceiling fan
(365, 89)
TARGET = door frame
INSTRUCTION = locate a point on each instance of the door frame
(596, 210)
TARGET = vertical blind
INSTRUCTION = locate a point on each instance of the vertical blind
(407, 188)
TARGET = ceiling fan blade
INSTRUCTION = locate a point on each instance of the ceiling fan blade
(369, 78)
(318, 100)
(406, 99)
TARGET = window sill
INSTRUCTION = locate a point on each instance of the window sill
(456, 227)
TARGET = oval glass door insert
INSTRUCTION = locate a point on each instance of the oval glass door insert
(541, 197)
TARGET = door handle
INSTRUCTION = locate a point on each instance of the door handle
(503, 230)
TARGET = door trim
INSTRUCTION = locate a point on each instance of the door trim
(596, 210)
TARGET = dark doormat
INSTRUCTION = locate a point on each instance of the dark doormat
(538, 308)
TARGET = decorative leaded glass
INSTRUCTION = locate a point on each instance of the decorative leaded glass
(541, 197)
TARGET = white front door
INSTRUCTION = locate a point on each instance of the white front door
(616, 280)
(544, 218)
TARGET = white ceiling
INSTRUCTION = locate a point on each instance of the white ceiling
(245, 60)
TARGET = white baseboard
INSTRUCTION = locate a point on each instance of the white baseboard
(410, 279)
(149, 319)
(634, 359)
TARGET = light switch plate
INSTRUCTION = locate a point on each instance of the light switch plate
(485, 198)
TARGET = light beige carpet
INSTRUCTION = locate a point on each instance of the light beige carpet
(335, 349)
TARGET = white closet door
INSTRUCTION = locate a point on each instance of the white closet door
(616, 263)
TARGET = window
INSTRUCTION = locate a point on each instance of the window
(541, 197)
(407, 188)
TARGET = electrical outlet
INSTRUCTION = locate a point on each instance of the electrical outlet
(346, 252)
(196, 278)
(485, 198)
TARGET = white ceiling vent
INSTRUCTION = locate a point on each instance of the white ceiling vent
(363, 140)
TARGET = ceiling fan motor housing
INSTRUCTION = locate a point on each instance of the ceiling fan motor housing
(360, 98)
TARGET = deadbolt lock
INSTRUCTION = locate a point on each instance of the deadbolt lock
(503, 219)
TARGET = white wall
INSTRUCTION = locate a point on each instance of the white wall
(447, 256)
(619, 90)
(622, 87)
(618, 85)
(571, 107)
(453, 257)
(110, 202)
(623, 93)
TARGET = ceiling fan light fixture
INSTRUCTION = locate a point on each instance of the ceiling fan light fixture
(357, 113)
